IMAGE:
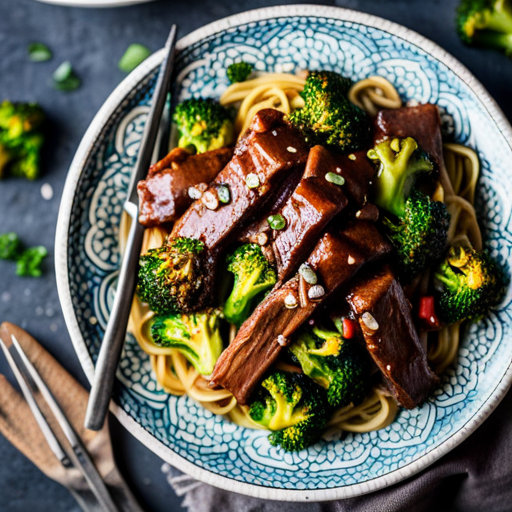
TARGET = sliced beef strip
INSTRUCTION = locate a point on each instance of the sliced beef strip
(359, 172)
(392, 341)
(163, 195)
(307, 212)
(271, 149)
(336, 259)
(260, 223)
(356, 168)
(422, 123)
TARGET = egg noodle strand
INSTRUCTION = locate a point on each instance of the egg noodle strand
(457, 189)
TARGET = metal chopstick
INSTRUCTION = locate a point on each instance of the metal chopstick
(32, 385)
(115, 334)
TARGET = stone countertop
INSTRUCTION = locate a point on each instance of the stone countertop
(93, 40)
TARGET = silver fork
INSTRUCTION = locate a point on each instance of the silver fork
(96, 497)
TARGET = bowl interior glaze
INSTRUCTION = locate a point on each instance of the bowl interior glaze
(178, 429)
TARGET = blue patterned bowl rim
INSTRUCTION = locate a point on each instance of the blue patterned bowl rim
(90, 140)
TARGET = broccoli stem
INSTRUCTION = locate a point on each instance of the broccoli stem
(501, 18)
(496, 40)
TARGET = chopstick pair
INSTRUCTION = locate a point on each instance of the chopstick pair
(115, 333)
(76, 456)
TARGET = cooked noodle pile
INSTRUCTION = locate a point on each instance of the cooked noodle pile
(456, 188)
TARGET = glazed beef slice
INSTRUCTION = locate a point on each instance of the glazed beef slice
(163, 195)
(422, 123)
(384, 315)
(307, 212)
(336, 259)
(271, 150)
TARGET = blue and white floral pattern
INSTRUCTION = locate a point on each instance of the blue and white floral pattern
(192, 432)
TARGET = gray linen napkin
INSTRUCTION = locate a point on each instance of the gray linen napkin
(475, 477)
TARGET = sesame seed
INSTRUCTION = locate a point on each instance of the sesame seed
(291, 150)
(369, 321)
(316, 292)
(262, 239)
(358, 214)
(210, 200)
(351, 260)
(388, 367)
(352, 156)
(290, 301)
(281, 340)
(274, 133)
(194, 193)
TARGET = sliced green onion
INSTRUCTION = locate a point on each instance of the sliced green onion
(276, 221)
(39, 52)
(332, 177)
(252, 180)
(64, 78)
(133, 56)
(29, 263)
(224, 194)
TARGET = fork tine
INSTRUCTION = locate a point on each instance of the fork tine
(22, 377)
(83, 461)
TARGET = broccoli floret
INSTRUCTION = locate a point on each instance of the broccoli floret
(328, 117)
(10, 246)
(336, 364)
(170, 277)
(21, 139)
(486, 23)
(293, 407)
(400, 162)
(420, 236)
(203, 124)
(196, 336)
(30, 261)
(471, 284)
(253, 276)
(239, 72)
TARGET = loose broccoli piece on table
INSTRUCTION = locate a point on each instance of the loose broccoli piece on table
(196, 336)
(21, 139)
(293, 407)
(203, 124)
(328, 118)
(10, 246)
(400, 164)
(30, 261)
(170, 277)
(239, 72)
(472, 283)
(336, 364)
(253, 276)
(486, 23)
(420, 236)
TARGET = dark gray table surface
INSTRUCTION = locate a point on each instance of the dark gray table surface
(93, 40)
